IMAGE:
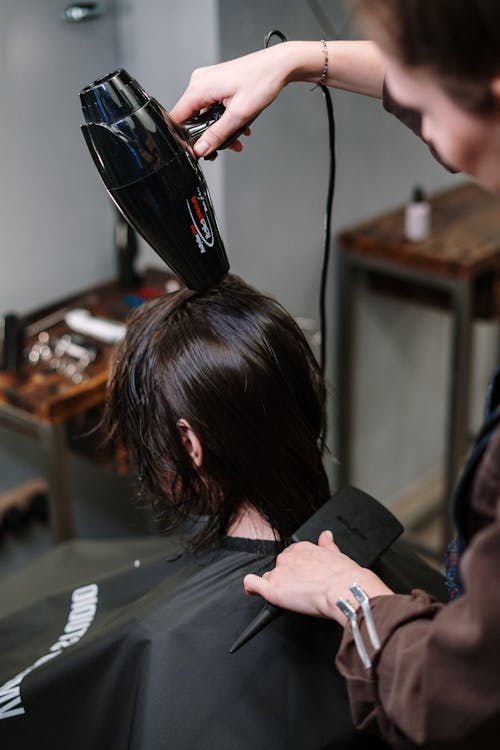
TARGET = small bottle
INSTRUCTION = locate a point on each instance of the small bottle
(417, 217)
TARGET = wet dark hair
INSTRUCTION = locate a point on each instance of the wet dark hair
(235, 365)
(457, 40)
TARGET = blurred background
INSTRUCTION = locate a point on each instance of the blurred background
(57, 224)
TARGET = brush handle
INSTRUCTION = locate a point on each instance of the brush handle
(197, 125)
(267, 614)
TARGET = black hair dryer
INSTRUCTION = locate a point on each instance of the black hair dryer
(147, 164)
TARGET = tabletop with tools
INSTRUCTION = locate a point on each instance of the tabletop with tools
(55, 391)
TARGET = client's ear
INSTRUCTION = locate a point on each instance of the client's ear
(190, 442)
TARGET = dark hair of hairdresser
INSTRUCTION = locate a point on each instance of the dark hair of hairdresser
(456, 40)
(234, 364)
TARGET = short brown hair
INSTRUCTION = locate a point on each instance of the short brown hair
(457, 40)
(236, 366)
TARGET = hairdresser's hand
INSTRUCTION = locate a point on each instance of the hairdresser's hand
(248, 84)
(310, 578)
(245, 86)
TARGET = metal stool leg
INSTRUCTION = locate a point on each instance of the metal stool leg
(458, 404)
(54, 445)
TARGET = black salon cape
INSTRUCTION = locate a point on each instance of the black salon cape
(153, 669)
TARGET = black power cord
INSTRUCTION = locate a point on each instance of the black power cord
(327, 225)
(328, 210)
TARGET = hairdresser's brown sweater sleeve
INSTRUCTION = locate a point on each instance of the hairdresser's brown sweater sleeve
(435, 682)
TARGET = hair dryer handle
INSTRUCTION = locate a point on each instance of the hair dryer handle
(195, 126)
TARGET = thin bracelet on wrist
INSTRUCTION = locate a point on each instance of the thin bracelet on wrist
(324, 72)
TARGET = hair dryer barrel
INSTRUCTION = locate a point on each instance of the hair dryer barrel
(150, 172)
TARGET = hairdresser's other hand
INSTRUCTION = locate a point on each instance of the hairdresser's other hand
(245, 86)
(310, 578)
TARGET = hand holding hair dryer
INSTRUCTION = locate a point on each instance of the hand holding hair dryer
(147, 163)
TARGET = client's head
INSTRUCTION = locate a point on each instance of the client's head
(218, 401)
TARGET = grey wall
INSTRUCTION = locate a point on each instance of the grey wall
(55, 222)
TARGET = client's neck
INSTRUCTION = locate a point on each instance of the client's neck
(249, 524)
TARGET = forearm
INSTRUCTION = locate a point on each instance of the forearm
(356, 66)
(247, 85)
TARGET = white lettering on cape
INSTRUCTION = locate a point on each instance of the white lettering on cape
(80, 618)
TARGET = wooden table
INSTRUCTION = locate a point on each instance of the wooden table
(457, 268)
(40, 402)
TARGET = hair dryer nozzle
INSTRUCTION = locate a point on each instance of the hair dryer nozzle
(112, 97)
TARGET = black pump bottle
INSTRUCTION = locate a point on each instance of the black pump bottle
(147, 164)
